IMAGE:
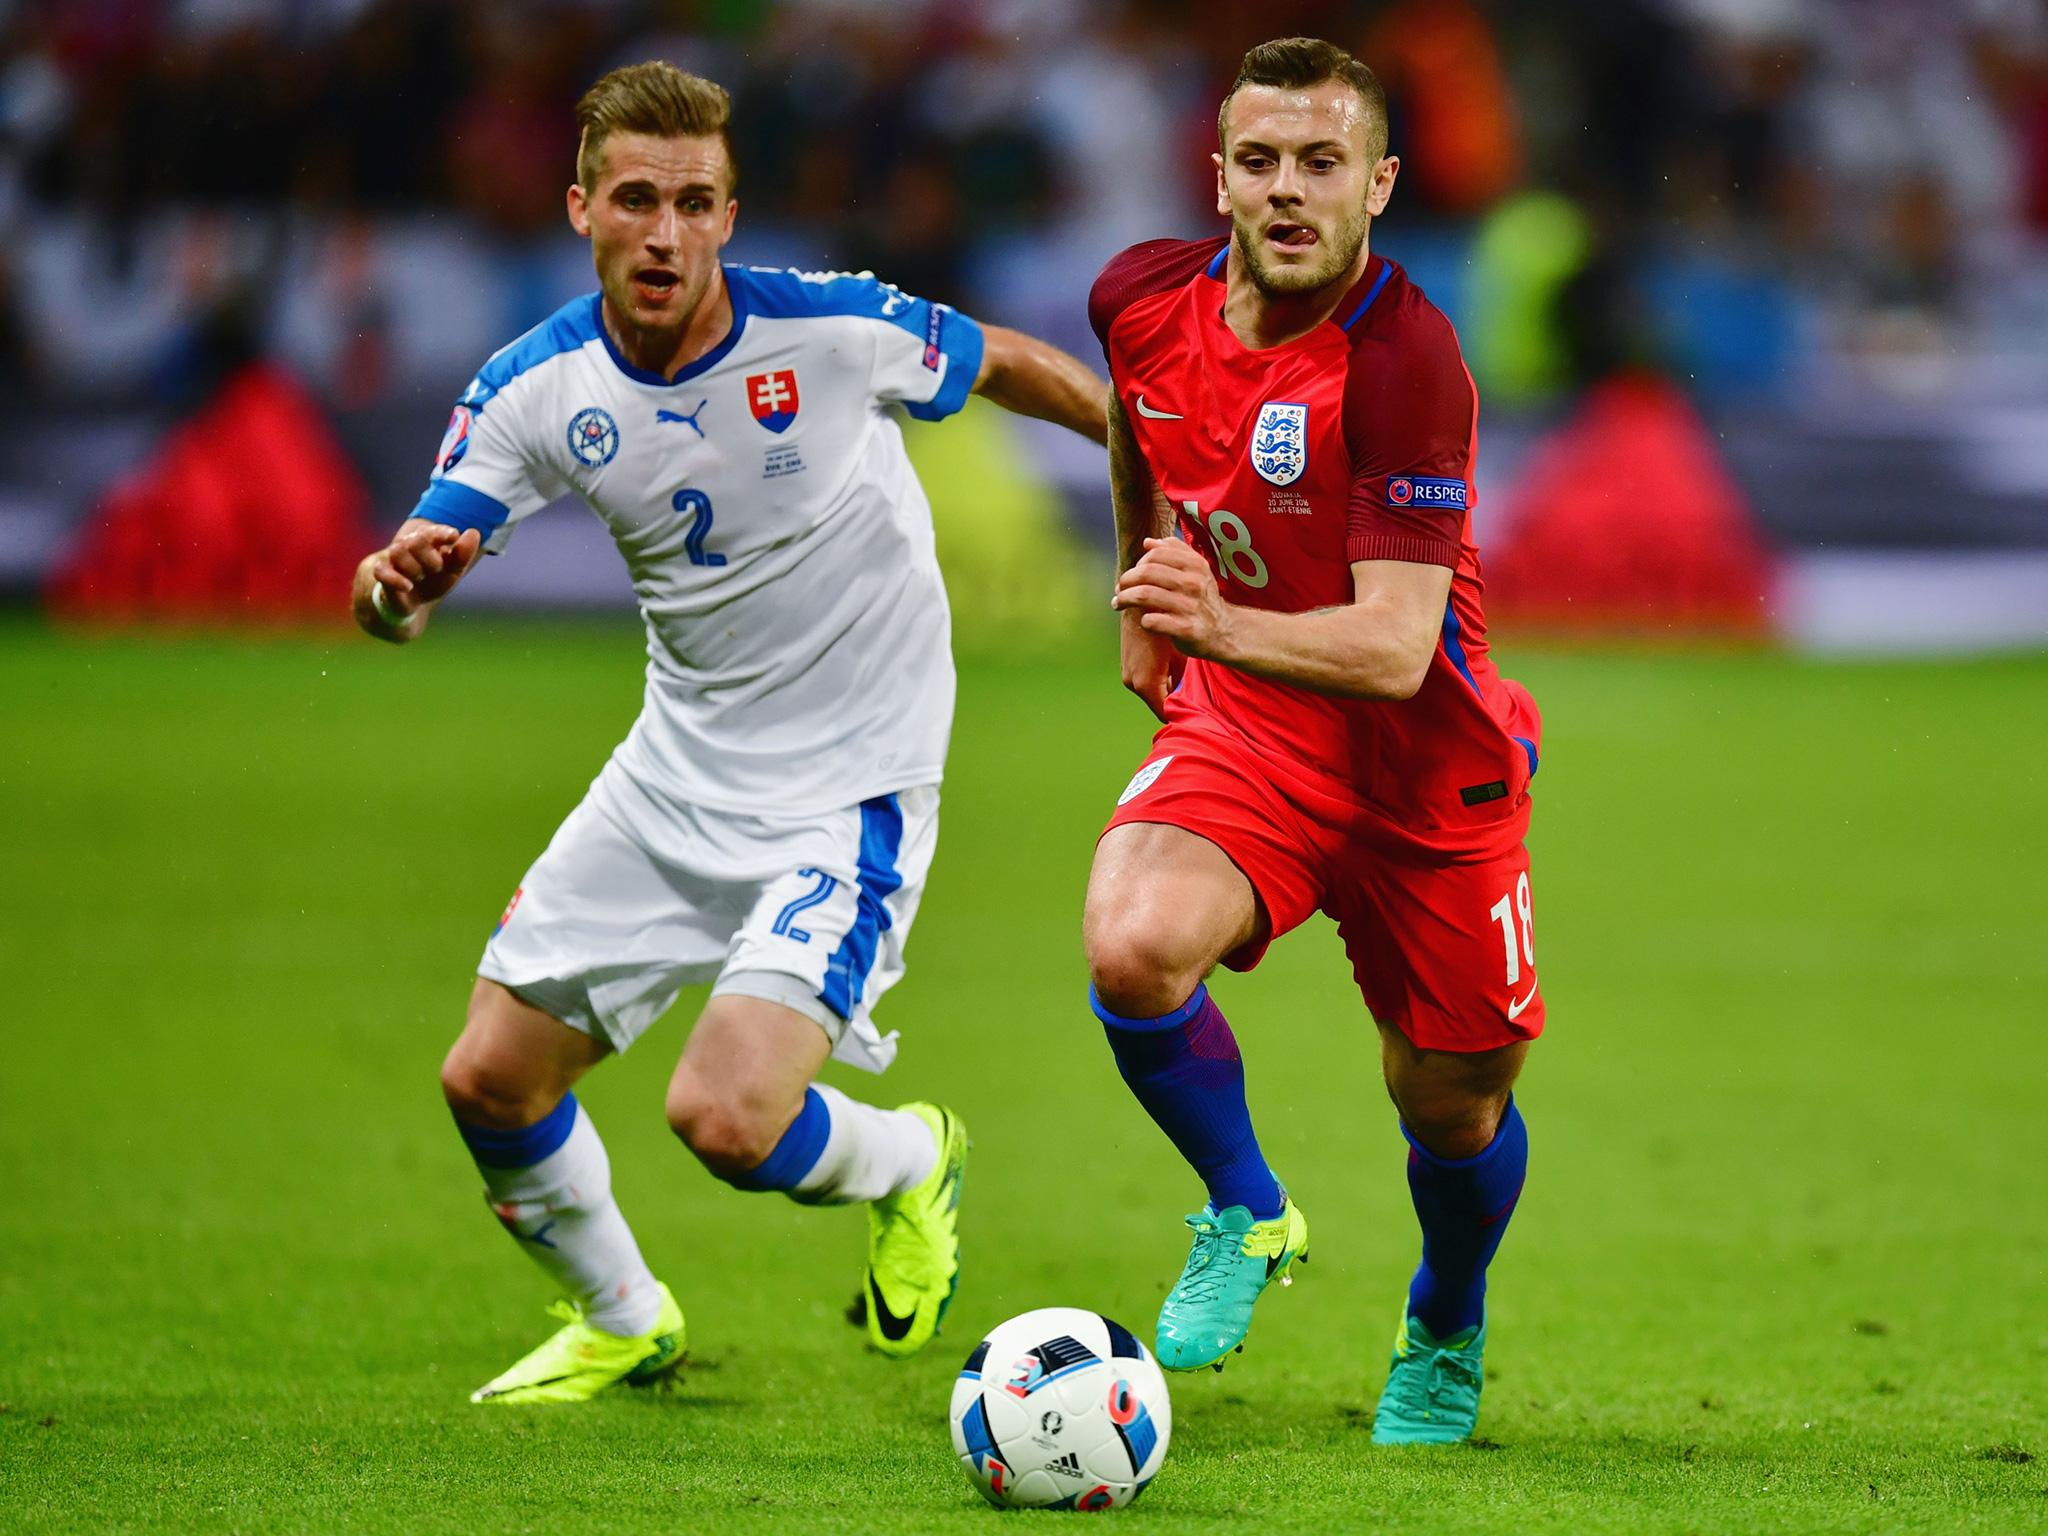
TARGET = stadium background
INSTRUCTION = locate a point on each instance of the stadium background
(1756, 294)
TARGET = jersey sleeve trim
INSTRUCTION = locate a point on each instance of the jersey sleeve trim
(961, 342)
(1412, 548)
(462, 507)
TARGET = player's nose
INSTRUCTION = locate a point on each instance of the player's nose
(661, 239)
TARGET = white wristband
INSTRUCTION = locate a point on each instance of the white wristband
(381, 601)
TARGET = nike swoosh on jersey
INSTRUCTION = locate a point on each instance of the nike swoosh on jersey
(892, 1326)
(1515, 1009)
(1146, 410)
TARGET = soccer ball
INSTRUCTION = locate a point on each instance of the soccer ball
(1061, 1409)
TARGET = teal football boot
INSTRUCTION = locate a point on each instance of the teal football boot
(1208, 1312)
(1432, 1391)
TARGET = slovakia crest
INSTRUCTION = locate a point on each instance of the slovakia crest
(1280, 441)
(772, 398)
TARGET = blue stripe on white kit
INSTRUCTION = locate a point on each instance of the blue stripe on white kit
(881, 840)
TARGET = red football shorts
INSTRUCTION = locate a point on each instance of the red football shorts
(1441, 948)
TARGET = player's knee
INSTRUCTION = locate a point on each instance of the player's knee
(490, 1093)
(1452, 1126)
(725, 1139)
(1137, 969)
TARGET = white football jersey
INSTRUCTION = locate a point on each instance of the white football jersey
(798, 641)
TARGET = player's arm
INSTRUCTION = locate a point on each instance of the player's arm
(396, 587)
(1151, 663)
(1034, 378)
(1409, 425)
(1377, 646)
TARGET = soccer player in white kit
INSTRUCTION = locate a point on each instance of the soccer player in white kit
(768, 822)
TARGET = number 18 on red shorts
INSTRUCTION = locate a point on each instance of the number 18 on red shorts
(1442, 945)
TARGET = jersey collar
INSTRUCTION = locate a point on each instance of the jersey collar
(1369, 284)
(709, 360)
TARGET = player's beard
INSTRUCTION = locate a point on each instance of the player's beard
(1340, 250)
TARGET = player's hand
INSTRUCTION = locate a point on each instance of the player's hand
(1174, 594)
(1151, 664)
(423, 564)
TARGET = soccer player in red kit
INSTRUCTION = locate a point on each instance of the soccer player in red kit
(1291, 437)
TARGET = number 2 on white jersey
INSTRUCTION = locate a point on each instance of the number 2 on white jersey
(699, 505)
(1233, 541)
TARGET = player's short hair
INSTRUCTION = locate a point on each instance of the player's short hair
(1295, 63)
(653, 98)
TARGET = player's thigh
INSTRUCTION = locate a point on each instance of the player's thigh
(513, 1062)
(831, 914)
(1203, 861)
(742, 1074)
(602, 933)
(1445, 954)
(1163, 898)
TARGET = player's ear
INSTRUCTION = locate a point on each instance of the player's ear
(1381, 192)
(579, 211)
(732, 212)
(1222, 192)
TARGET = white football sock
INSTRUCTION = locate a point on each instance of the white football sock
(870, 1153)
(561, 1210)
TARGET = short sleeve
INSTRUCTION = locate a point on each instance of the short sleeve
(1409, 414)
(481, 477)
(1154, 266)
(927, 356)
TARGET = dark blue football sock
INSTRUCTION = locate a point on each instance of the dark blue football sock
(1464, 1208)
(1185, 1069)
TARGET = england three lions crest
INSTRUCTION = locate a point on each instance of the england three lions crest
(1280, 442)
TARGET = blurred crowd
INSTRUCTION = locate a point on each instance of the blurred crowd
(371, 190)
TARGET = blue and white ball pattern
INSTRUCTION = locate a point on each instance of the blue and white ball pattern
(1061, 1409)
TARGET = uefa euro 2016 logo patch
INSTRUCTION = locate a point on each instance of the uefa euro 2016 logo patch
(454, 442)
(1280, 441)
(772, 397)
(1425, 491)
(593, 437)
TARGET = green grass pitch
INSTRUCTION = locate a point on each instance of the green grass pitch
(1782, 1263)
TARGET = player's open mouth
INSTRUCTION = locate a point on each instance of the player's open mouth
(1293, 237)
(654, 284)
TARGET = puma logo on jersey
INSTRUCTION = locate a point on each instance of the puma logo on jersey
(689, 420)
(1146, 410)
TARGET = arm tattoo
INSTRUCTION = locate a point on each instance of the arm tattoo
(1141, 511)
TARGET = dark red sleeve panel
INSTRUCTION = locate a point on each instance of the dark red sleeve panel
(1155, 266)
(1409, 416)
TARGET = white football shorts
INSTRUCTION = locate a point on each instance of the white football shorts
(633, 901)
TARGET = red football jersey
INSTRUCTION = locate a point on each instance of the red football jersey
(1286, 464)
